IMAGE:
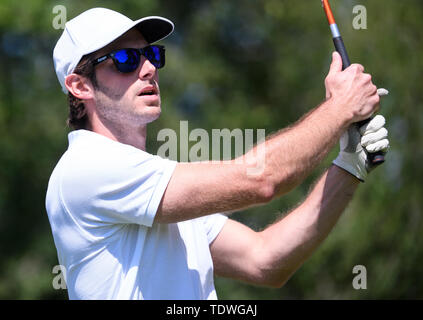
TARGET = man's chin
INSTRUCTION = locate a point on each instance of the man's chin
(151, 113)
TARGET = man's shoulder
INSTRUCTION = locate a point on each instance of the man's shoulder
(91, 151)
(92, 161)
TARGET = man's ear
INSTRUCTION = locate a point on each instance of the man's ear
(79, 86)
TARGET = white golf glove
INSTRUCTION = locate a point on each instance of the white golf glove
(357, 141)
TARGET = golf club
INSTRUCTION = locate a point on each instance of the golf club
(377, 157)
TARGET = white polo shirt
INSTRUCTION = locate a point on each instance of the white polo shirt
(101, 202)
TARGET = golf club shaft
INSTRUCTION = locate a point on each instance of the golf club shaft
(377, 157)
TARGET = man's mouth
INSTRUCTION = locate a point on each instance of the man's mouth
(148, 91)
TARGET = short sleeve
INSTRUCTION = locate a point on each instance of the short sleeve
(116, 184)
(213, 224)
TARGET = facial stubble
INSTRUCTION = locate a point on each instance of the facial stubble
(114, 111)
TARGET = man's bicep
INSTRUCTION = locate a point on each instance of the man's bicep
(235, 252)
(199, 189)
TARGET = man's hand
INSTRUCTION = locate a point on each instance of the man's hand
(357, 142)
(352, 90)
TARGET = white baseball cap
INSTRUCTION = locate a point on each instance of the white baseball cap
(96, 28)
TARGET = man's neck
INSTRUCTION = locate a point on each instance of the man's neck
(135, 137)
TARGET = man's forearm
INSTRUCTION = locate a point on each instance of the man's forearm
(292, 153)
(289, 242)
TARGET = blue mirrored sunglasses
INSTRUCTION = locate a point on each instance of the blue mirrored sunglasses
(128, 60)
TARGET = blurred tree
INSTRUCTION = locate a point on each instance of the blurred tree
(230, 64)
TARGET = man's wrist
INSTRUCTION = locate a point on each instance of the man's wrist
(348, 173)
(347, 167)
(343, 119)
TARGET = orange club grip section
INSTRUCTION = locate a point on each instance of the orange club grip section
(328, 11)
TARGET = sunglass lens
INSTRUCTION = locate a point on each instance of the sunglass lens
(155, 55)
(126, 60)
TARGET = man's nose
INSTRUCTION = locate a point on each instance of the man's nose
(147, 70)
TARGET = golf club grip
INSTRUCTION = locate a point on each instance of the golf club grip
(375, 158)
(340, 47)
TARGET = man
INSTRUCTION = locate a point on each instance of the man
(130, 225)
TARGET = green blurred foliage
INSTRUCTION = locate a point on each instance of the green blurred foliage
(230, 64)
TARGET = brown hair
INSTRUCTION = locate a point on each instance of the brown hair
(78, 118)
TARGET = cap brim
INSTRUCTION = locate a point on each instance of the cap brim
(154, 28)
